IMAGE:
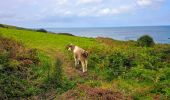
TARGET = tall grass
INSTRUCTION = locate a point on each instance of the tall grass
(138, 72)
(22, 71)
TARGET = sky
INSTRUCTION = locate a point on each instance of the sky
(84, 13)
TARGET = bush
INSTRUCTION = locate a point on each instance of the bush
(42, 30)
(145, 41)
(16, 70)
(161, 88)
(16, 79)
(110, 66)
(117, 64)
(68, 34)
(1, 25)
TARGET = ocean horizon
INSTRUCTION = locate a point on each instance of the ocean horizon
(160, 34)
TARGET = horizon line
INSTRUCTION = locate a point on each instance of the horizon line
(112, 26)
(89, 26)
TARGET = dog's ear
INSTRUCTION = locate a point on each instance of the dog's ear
(85, 54)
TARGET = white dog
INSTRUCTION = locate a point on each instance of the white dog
(80, 55)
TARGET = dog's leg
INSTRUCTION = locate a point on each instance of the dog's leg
(76, 62)
(86, 65)
(83, 66)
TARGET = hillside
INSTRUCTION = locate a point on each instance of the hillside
(117, 70)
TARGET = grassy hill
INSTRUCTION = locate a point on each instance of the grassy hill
(116, 69)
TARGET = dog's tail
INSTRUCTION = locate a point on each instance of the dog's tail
(85, 54)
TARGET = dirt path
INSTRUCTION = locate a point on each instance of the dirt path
(83, 92)
(68, 66)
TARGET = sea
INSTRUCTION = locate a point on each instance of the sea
(160, 34)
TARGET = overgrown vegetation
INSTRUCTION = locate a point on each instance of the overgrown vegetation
(16, 63)
(25, 72)
(131, 69)
(144, 66)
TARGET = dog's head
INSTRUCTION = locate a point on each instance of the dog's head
(85, 54)
(70, 47)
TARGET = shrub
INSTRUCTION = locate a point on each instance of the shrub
(16, 79)
(1, 25)
(117, 65)
(110, 65)
(16, 70)
(42, 30)
(145, 41)
(152, 59)
(161, 88)
(4, 58)
(141, 75)
(68, 34)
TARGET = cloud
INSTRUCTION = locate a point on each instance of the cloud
(144, 2)
(114, 11)
(148, 2)
(49, 10)
(79, 2)
(80, 8)
(62, 2)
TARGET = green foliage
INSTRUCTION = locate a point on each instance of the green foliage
(112, 65)
(42, 30)
(145, 41)
(15, 79)
(17, 74)
(68, 34)
(57, 79)
(162, 88)
(118, 63)
(141, 73)
(142, 65)
(4, 58)
(1, 25)
(58, 74)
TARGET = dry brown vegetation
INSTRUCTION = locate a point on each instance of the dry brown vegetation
(88, 93)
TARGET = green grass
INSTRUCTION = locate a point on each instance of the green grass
(48, 45)
(147, 68)
(46, 42)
